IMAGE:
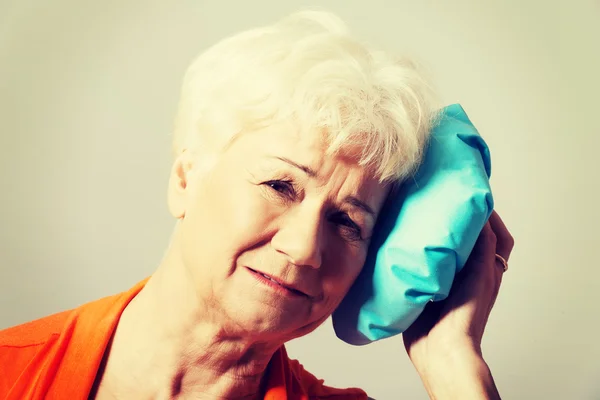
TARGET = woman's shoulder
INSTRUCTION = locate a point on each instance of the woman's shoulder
(22, 348)
(60, 353)
(33, 333)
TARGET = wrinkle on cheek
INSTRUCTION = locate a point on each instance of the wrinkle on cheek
(339, 276)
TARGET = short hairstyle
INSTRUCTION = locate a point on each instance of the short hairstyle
(309, 69)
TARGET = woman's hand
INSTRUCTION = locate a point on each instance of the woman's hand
(444, 343)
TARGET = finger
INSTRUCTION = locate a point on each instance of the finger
(504, 244)
(500, 248)
(491, 271)
(486, 246)
(505, 241)
(498, 274)
(479, 272)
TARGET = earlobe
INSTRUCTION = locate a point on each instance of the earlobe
(179, 183)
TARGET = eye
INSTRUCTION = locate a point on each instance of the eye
(285, 188)
(349, 229)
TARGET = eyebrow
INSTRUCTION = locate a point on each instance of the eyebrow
(353, 201)
(307, 170)
(360, 204)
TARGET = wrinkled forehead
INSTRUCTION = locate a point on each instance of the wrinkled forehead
(308, 150)
(315, 143)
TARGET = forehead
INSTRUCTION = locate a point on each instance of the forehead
(308, 147)
(284, 144)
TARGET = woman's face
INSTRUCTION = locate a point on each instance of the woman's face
(274, 204)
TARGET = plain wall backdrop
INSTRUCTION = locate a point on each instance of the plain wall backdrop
(88, 91)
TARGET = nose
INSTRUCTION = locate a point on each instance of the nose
(300, 237)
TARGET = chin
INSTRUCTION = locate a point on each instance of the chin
(261, 316)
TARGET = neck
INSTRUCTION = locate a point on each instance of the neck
(169, 344)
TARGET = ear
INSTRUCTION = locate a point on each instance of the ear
(179, 184)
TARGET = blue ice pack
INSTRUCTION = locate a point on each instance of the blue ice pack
(424, 234)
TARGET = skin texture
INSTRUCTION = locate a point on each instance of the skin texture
(444, 343)
(204, 326)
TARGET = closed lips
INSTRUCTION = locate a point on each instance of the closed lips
(278, 282)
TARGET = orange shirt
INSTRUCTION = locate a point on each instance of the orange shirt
(57, 357)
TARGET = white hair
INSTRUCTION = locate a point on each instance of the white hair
(307, 68)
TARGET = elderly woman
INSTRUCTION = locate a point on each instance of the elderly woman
(287, 141)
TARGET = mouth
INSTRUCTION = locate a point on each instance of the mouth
(277, 284)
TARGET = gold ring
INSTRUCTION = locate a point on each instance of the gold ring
(503, 261)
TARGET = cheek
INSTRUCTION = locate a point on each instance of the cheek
(225, 218)
(250, 217)
(340, 273)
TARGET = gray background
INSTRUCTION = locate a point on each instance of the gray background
(88, 91)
